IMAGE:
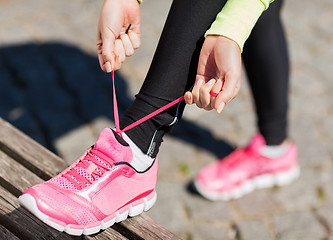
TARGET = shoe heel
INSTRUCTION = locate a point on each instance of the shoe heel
(286, 178)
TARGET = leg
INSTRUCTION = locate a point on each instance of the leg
(266, 60)
(172, 71)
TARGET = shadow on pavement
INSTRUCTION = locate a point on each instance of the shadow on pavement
(49, 89)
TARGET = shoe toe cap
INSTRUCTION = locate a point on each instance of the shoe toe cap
(50, 203)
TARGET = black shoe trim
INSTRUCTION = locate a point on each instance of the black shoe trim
(120, 139)
(126, 163)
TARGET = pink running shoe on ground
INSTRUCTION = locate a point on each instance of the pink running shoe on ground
(245, 170)
(96, 191)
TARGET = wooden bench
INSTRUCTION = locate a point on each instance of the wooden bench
(25, 163)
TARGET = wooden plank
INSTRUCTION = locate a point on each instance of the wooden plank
(144, 227)
(108, 234)
(19, 221)
(28, 152)
(14, 177)
(6, 234)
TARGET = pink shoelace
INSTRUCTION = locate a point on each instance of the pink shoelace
(96, 168)
(136, 123)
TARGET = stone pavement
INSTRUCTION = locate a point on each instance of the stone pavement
(52, 89)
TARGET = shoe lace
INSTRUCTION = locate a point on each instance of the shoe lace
(136, 123)
(95, 163)
(99, 167)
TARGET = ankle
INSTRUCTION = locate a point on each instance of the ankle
(141, 161)
(274, 151)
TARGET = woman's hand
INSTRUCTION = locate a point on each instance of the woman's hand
(118, 32)
(219, 71)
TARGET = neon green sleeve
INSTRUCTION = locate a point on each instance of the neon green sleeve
(237, 19)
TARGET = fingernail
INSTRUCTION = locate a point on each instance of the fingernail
(188, 97)
(220, 108)
(107, 67)
(200, 82)
(211, 82)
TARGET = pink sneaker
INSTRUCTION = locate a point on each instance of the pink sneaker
(96, 191)
(245, 170)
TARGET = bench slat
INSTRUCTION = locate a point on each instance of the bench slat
(146, 228)
(14, 177)
(6, 234)
(108, 234)
(28, 152)
(25, 225)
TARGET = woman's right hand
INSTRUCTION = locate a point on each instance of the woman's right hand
(115, 39)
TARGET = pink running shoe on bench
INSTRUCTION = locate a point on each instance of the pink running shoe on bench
(96, 191)
(245, 170)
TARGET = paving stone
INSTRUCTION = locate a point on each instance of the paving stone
(202, 138)
(326, 179)
(307, 87)
(201, 209)
(301, 194)
(99, 123)
(169, 209)
(298, 225)
(176, 158)
(15, 110)
(212, 232)
(313, 108)
(327, 126)
(325, 213)
(73, 144)
(253, 230)
(257, 203)
(136, 67)
(310, 148)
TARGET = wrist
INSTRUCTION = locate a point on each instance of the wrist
(237, 19)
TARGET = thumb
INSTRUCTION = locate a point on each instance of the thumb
(108, 56)
(228, 91)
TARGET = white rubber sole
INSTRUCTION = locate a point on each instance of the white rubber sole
(29, 202)
(260, 182)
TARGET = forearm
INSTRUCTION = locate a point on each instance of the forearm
(237, 19)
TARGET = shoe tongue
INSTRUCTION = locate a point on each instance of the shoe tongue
(256, 143)
(112, 145)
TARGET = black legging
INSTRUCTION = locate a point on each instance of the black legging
(174, 66)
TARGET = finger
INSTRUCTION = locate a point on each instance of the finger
(195, 91)
(129, 50)
(117, 63)
(208, 108)
(237, 89)
(204, 93)
(228, 91)
(107, 46)
(188, 98)
(135, 39)
(119, 50)
(105, 66)
(216, 89)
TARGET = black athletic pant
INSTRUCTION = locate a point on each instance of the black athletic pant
(174, 66)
